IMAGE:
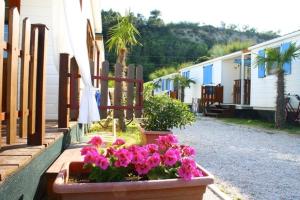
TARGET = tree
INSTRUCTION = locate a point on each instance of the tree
(274, 60)
(180, 83)
(122, 36)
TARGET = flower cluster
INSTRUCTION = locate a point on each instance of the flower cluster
(166, 158)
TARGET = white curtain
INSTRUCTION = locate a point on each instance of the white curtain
(76, 25)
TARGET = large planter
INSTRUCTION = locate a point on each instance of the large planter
(175, 189)
(150, 137)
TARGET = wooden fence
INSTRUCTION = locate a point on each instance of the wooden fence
(211, 94)
(22, 111)
(69, 90)
(237, 91)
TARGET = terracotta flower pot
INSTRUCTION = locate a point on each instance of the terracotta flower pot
(150, 137)
(175, 189)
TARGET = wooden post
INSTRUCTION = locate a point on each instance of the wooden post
(98, 69)
(139, 91)
(25, 59)
(130, 90)
(40, 125)
(74, 90)
(63, 94)
(32, 85)
(242, 79)
(2, 11)
(118, 90)
(12, 71)
(104, 89)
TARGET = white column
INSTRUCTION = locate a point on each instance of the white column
(242, 79)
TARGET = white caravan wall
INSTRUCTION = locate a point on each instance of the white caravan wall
(263, 90)
(217, 72)
(196, 74)
(230, 72)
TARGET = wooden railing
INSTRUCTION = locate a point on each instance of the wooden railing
(211, 94)
(22, 111)
(69, 90)
(237, 91)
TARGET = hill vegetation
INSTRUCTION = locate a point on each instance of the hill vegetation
(165, 47)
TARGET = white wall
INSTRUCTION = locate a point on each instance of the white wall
(263, 90)
(230, 72)
(196, 74)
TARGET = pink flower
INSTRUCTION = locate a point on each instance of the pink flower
(87, 149)
(110, 151)
(188, 151)
(171, 157)
(142, 169)
(153, 160)
(152, 148)
(188, 169)
(90, 157)
(139, 155)
(119, 142)
(167, 141)
(124, 157)
(96, 141)
(101, 162)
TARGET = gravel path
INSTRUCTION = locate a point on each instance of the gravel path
(253, 162)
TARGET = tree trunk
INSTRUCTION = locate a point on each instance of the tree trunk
(182, 94)
(280, 103)
(122, 60)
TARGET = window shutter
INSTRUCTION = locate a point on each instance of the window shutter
(207, 74)
(287, 67)
(188, 74)
(162, 85)
(261, 67)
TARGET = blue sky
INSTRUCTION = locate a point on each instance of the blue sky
(262, 14)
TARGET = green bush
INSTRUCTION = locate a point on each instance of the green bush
(163, 113)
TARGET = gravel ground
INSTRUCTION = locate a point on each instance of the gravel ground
(248, 163)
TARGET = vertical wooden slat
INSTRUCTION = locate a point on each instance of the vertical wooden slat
(12, 71)
(139, 91)
(2, 9)
(40, 125)
(104, 89)
(63, 95)
(118, 90)
(74, 90)
(130, 91)
(25, 59)
(98, 69)
(32, 84)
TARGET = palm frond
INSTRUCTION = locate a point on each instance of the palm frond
(291, 53)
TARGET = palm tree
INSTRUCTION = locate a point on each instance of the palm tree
(181, 82)
(275, 60)
(122, 36)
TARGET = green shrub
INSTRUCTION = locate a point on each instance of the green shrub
(163, 113)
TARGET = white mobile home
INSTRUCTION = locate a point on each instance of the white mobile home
(165, 84)
(224, 71)
(263, 83)
(52, 14)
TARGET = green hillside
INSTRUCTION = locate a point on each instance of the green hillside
(170, 45)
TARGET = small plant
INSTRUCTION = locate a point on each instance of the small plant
(163, 113)
(163, 160)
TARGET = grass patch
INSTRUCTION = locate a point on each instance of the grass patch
(293, 129)
(131, 136)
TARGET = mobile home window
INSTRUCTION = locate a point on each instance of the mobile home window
(5, 38)
(271, 69)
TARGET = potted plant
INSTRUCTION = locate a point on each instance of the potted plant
(163, 114)
(165, 170)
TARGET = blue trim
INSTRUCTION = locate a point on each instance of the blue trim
(287, 67)
(261, 67)
(207, 74)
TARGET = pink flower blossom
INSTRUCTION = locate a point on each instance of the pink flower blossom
(167, 141)
(142, 169)
(110, 151)
(96, 141)
(171, 157)
(153, 160)
(124, 157)
(140, 155)
(101, 162)
(188, 151)
(119, 142)
(188, 169)
(87, 149)
(152, 148)
(90, 157)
